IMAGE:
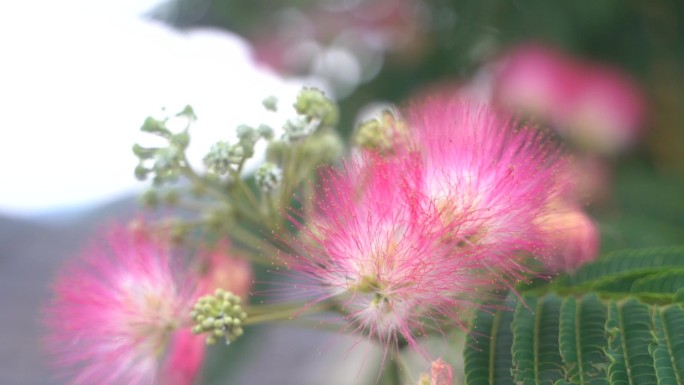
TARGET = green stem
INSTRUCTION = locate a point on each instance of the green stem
(286, 312)
(392, 372)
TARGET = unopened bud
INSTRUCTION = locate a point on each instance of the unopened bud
(298, 128)
(268, 177)
(265, 131)
(313, 104)
(270, 103)
(155, 126)
(218, 158)
(219, 315)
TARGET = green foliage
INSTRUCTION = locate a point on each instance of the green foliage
(668, 351)
(488, 358)
(535, 340)
(629, 335)
(618, 320)
(582, 322)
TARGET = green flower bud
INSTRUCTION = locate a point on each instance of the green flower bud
(312, 103)
(188, 112)
(181, 140)
(298, 128)
(155, 126)
(265, 131)
(218, 158)
(270, 103)
(268, 177)
(381, 134)
(143, 152)
(219, 315)
(245, 132)
(324, 147)
(141, 172)
(166, 165)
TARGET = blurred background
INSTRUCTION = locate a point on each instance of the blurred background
(77, 78)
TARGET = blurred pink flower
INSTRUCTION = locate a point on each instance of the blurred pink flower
(607, 112)
(597, 107)
(572, 238)
(115, 310)
(185, 358)
(536, 80)
(221, 270)
(441, 373)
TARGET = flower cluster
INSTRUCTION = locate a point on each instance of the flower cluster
(407, 239)
(116, 310)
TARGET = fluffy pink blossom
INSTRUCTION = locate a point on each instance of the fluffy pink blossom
(486, 178)
(369, 247)
(115, 310)
(420, 234)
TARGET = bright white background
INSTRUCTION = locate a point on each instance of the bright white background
(77, 79)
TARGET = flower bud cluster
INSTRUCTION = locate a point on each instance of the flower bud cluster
(163, 163)
(381, 134)
(219, 315)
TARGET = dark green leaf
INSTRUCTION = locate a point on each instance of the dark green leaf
(668, 352)
(582, 340)
(536, 355)
(487, 357)
(629, 331)
(625, 261)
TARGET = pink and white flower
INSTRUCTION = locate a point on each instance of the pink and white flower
(487, 178)
(369, 246)
(405, 239)
(115, 311)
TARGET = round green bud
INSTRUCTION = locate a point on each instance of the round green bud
(216, 315)
(270, 103)
(268, 177)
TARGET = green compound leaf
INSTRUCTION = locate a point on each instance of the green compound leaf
(668, 351)
(667, 282)
(620, 262)
(630, 335)
(487, 357)
(569, 340)
(536, 355)
(582, 340)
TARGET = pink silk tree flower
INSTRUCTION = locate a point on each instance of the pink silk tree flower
(607, 113)
(487, 178)
(115, 310)
(536, 80)
(598, 108)
(185, 358)
(367, 248)
(572, 238)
